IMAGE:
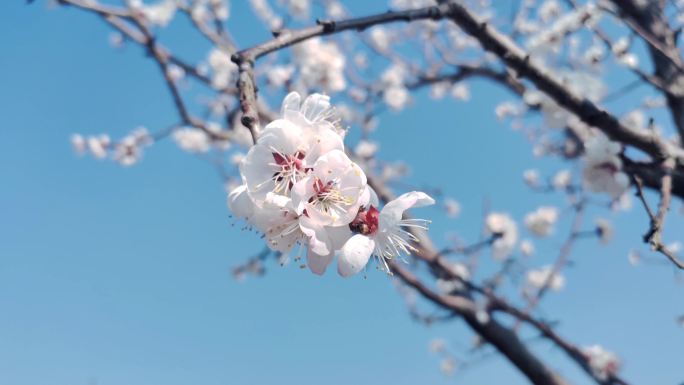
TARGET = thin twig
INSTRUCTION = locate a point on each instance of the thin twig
(245, 59)
(653, 236)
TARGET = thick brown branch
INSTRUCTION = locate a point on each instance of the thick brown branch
(502, 338)
(519, 61)
(104, 10)
(647, 21)
(467, 71)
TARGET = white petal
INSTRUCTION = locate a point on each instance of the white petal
(301, 192)
(331, 163)
(321, 142)
(319, 241)
(279, 201)
(354, 255)
(273, 211)
(394, 210)
(369, 197)
(290, 104)
(257, 173)
(314, 106)
(348, 181)
(338, 235)
(240, 203)
(318, 263)
(283, 135)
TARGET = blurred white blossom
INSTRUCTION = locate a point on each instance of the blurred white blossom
(505, 230)
(526, 247)
(540, 222)
(538, 278)
(531, 177)
(321, 64)
(366, 149)
(604, 230)
(603, 168)
(78, 144)
(452, 207)
(562, 179)
(223, 69)
(192, 139)
(99, 146)
(602, 362)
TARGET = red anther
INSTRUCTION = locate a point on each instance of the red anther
(366, 221)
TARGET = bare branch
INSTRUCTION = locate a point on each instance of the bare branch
(502, 338)
(653, 236)
(245, 59)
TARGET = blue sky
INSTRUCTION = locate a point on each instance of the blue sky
(113, 275)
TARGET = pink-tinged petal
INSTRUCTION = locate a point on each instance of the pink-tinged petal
(338, 236)
(365, 197)
(354, 255)
(318, 217)
(319, 242)
(240, 203)
(273, 208)
(301, 192)
(368, 197)
(282, 135)
(394, 210)
(321, 142)
(257, 171)
(330, 193)
(374, 201)
(332, 162)
(318, 263)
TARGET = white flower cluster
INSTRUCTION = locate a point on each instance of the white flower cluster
(545, 276)
(300, 189)
(581, 83)
(160, 13)
(192, 140)
(540, 222)
(127, 151)
(395, 94)
(603, 168)
(223, 70)
(205, 10)
(321, 64)
(505, 231)
(602, 362)
(551, 37)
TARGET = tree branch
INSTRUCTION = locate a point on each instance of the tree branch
(518, 60)
(502, 338)
(245, 59)
(648, 22)
(653, 236)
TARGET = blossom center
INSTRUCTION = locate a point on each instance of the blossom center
(366, 221)
(328, 197)
(291, 170)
